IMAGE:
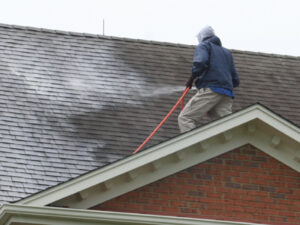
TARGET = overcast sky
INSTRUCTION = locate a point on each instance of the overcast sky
(270, 26)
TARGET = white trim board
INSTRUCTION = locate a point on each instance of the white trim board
(15, 214)
(255, 125)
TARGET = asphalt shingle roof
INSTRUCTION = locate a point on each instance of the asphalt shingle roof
(70, 102)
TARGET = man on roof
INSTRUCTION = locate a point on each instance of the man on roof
(215, 77)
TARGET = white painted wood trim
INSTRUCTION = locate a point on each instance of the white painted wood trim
(15, 214)
(165, 149)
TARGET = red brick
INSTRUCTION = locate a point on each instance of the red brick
(262, 182)
(188, 210)
(197, 205)
(267, 200)
(168, 197)
(208, 212)
(152, 207)
(261, 217)
(205, 188)
(278, 195)
(224, 190)
(251, 164)
(161, 190)
(242, 185)
(150, 195)
(294, 220)
(233, 185)
(171, 209)
(234, 208)
(277, 206)
(133, 206)
(242, 157)
(212, 183)
(256, 170)
(241, 192)
(214, 195)
(215, 207)
(226, 156)
(287, 179)
(143, 200)
(207, 200)
(248, 198)
(269, 166)
(249, 175)
(232, 196)
(261, 193)
(250, 187)
(293, 197)
(290, 172)
(261, 205)
(284, 190)
(297, 192)
(292, 185)
(242, 215)
(188, 198)
(278, 219)
(277, 172)
(185, 175)
(195, 182)
(286, 213)
(241, 203)
(268, 212)
(159, 202)
(188, 187)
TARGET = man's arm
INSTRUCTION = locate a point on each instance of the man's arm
(201, 58)
(235, 76)
(200, 63)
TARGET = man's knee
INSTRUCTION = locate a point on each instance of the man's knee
(185, 123)
(182, 120)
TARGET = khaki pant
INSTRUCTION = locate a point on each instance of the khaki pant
(204, 101)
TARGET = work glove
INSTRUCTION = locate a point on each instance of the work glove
(189, 82)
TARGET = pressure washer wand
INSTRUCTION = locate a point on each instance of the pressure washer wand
(164, 120)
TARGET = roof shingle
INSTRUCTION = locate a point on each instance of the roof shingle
(73, 102)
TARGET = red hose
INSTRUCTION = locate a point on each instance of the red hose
(164, 120)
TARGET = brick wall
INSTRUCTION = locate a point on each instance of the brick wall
(242, 185)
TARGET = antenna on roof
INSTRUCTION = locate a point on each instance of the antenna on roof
(103, 27)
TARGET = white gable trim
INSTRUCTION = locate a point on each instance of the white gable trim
(14, 214)
(255, 125)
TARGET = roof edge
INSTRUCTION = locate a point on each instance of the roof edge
(82, 34)
(51, 215)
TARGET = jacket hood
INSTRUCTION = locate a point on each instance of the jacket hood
(204, 33)
(213, 39)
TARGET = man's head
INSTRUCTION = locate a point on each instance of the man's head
(205, 32)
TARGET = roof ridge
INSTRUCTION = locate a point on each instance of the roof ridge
(73, 33)
(265, 54)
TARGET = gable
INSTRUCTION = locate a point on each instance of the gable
(255, 125)
(244, 184)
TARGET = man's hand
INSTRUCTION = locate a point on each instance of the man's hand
(189, 82)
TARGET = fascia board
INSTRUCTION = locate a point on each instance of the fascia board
(279, 123)
(16, 214)
(162, 150)
(284, 154)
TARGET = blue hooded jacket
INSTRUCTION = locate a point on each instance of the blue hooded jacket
(213, 65)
